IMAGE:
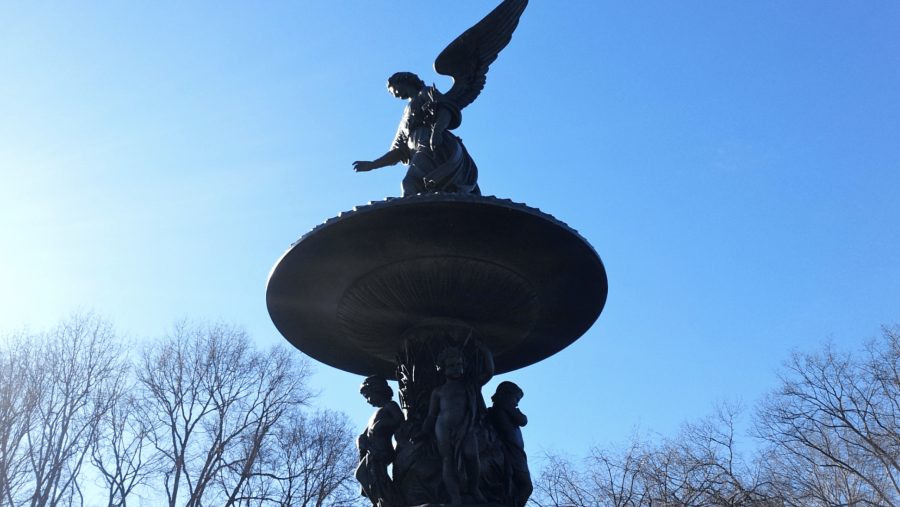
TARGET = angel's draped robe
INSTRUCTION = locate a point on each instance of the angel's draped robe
(449, 168)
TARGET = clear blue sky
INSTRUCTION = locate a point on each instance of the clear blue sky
(735, 164)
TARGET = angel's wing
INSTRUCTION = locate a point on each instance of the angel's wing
(467, 58)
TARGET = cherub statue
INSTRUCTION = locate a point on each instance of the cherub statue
(506, 418)
(451, 416)
(437, 159)
(376, 451)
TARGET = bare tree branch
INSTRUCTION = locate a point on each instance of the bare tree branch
(833, 426)
(19, 397)
(212, 401)
(79, 376)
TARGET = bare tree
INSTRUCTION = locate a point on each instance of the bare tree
(834, 426)
(277, 403)
(700, 466)
(79, 378)
(832, 435)
(610, 476)
(309, 463)
(212, 402)
(205, 416)
(560, 483)
(120, 450)
(18, 402)
(717, 473)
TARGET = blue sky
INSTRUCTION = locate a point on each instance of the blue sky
(735, 165)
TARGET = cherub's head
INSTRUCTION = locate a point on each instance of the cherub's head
(404, 85)
(376, 391)
(507, 391)
(452, 363)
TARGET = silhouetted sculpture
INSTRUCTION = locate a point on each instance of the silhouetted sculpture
(376, 450)
(420, 289)
(437, 159)
(506, 418)
(452, 417)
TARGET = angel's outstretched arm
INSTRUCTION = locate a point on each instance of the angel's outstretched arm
(390, 158)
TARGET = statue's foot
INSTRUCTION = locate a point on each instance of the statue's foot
(478, 497)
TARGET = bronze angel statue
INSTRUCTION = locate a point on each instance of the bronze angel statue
(437, 159)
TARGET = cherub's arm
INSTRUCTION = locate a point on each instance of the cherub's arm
(486, 375)
(433, 408)
(517, 417)
(362, 446)
(390, 158)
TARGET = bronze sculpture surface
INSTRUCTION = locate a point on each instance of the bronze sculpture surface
(388, 287)
(452, 416)
(526, 282)
(376, 450)
(439, 290)
(437, 159)
(506, 418)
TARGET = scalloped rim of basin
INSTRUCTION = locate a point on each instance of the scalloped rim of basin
(307, 291)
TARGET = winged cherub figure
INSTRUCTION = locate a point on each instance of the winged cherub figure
(437, 159)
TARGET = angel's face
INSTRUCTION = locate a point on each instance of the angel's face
(400, 90)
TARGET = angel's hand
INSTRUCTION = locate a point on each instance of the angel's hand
(363, 166)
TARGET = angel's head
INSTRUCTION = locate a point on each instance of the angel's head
(404, 85)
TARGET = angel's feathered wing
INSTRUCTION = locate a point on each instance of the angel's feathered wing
(467, 58)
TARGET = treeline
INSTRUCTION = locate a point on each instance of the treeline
(201, 417)
(196, 417)
(828, 436)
